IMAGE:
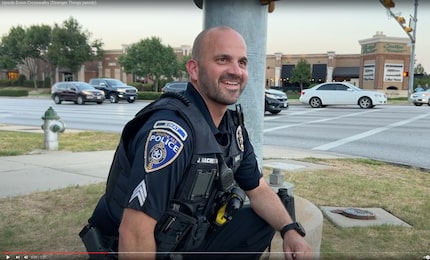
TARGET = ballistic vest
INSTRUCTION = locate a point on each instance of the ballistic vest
(197, 190)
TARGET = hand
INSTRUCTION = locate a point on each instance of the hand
(296, 247)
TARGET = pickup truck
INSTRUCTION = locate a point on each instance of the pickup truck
(115, 89)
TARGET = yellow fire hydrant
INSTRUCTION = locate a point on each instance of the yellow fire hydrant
(52, 125)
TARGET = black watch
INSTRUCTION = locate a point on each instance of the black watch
(296, 226)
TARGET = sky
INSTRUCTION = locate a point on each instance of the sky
(295, 26)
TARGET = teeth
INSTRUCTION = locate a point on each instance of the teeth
(231, 83)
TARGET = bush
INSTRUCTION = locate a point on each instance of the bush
(39, 83)
(21, 79)
(13, 92)
(135, 84)
(148, 95)
(147, 87)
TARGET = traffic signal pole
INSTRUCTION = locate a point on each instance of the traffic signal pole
(413, 40)
(412, 28)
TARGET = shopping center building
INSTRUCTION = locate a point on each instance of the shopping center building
(380, 66)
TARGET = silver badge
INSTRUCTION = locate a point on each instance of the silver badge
(239, 138)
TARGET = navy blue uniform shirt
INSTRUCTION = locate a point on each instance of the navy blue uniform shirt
(162, 150)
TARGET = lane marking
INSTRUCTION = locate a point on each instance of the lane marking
(315, 121)
(356, 137)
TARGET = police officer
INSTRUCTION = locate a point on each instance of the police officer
(183, 166)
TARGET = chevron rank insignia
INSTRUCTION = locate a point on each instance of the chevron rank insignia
(161, 149)
(140, 193)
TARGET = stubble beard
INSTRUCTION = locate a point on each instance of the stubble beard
(213, 91)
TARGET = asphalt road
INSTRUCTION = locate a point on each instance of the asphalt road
(393, 133)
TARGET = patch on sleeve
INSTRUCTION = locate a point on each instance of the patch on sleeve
(177, 129)
(161, 149)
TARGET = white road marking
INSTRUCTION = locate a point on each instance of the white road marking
(367, 133)
(315, 121)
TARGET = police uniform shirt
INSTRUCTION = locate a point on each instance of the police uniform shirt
(162, 150)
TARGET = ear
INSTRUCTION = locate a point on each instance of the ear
(193, 69)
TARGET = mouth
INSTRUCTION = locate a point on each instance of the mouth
(231, 84)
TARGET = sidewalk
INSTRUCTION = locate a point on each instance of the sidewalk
(47, 170)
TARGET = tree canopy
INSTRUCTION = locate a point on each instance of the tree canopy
(419, 69)
(301, 73)
(149, 58)
(70, 46)
(65, 45)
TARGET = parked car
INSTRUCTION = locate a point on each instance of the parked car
(175, 86)
(115, 89)
(275, 101)
(420, 98)
(341, 93)
(76, 91)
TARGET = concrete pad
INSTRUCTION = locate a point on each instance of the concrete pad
(292, 165)
(382, 217)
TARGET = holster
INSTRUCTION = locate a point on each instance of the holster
(179, 231)
(98, 247)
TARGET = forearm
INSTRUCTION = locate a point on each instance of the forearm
(136, 236)
(135, 249)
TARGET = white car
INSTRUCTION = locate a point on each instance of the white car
(421, 97)
(341, 93)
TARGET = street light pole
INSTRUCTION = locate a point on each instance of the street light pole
(388, 4)
(413, 40)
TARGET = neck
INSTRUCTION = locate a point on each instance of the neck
(217, 112)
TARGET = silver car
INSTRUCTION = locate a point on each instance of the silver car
(421, 97)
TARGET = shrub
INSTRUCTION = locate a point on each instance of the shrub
(21, 79)
(147, 87)
(13, 92)
(148, 95)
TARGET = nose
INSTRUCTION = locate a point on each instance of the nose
(236, 69)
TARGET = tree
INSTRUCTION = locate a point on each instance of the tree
(70, 47)
(27, 47)
(149, 58)
(183, 73)
(6, 60)
(12, 48)
(37, 39)
(419, 69)
(301, 73)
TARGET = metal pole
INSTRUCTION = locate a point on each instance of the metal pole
(413, 40)
(250, 19)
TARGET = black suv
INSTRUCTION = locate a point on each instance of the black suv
(115, 90)
(76, 91)
(275, 101)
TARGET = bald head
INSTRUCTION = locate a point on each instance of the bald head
(209, 35)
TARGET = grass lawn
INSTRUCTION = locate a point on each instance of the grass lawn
(51, 221)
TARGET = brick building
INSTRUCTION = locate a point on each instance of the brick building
(379, 66)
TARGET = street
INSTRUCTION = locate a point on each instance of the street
(392, 133)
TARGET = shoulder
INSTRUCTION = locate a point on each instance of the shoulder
(165, 136)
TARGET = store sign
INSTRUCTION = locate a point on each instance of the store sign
(369, 72)
(368, 48)
(393, 72)
(395, 47)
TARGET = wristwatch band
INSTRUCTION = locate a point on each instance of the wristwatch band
(296, 226)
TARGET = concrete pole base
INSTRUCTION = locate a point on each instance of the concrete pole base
(311, 218)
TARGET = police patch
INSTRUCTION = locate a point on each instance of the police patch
(161, 149)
